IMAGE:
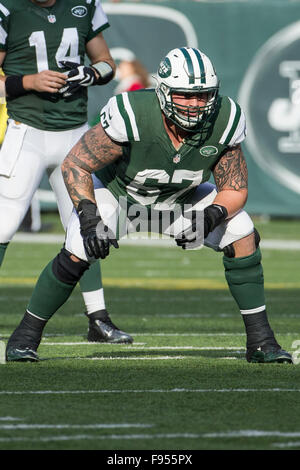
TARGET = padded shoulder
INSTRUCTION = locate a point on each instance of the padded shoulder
(230, 122)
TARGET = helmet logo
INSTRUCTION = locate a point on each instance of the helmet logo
(208, 151)
(165, 68)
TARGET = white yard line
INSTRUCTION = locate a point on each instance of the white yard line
(129, 358)
(195, 315)
(229, 434)
(83, 343)
(250, 433)
(59, 335)
(151, 335)
(17, 427)
(84, 437)
(282, 445)
(188, 334)
(149, 348)
(173, 390)
(9, 418)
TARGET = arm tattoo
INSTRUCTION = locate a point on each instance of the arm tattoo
(92, 152)
(231, 170)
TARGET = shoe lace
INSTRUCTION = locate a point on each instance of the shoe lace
(105, 318)
(108, 322)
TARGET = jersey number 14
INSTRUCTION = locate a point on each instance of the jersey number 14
(68, 45)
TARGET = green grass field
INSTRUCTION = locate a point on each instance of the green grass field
(183, 384)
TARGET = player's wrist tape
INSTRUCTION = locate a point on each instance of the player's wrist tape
(14, 86)
(105, 71)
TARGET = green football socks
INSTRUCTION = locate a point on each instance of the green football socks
(91, 279)
(246, 281)
(49, 294)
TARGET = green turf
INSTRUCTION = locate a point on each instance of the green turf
(183, 384)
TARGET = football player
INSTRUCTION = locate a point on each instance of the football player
(42, 48)
(158, 148)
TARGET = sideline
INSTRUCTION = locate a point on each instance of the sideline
(168, 243)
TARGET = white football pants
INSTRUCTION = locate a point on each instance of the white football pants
(25, 155)
(226, 233)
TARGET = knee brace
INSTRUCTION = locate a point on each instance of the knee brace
(66, 270)
(229, 249)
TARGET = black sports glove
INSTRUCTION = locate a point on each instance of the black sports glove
(78, 76)
(213, 216)
(97, 237)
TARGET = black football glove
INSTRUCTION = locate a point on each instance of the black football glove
(78, 76)
(213, 216)
(97, 237)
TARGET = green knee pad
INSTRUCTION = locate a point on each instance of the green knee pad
(246, 280)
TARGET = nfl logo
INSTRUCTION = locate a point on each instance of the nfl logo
(176, 159)
(51, 18)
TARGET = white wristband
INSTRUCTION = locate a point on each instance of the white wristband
(105, 71)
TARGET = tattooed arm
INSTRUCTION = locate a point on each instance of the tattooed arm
(231, 178)
(92, 152)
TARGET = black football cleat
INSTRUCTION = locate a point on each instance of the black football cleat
(23, 343)
(102, 330)
(21, 354)
(268, 355)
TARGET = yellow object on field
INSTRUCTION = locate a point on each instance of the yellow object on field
(3, 116)
(3, 121)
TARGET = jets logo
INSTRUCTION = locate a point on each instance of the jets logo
(273, 112)
(284, 113)
(208, 151)
(79, 11)
(165, 68)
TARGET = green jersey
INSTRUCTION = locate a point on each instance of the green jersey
(36, 39)
(151, 171)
